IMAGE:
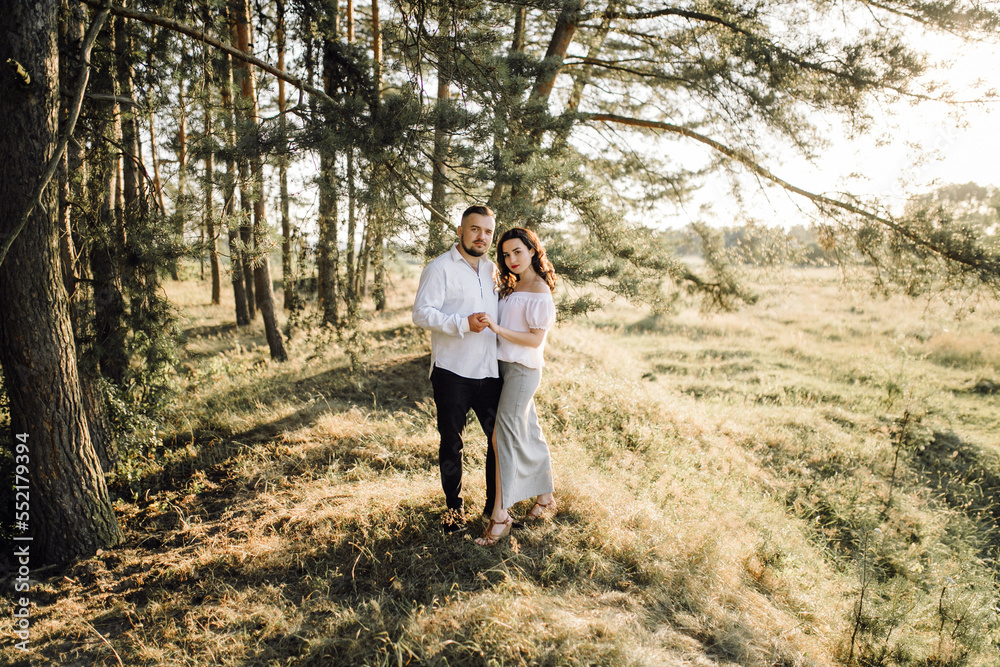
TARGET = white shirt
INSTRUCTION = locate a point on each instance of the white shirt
(522, 311)
(449, 291)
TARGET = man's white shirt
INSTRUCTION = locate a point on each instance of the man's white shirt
(449, 291)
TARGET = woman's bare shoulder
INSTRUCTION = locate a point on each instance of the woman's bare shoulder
(538, 287)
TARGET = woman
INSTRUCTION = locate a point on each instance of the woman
(526, 313)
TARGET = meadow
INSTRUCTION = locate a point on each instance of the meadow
(812, 480)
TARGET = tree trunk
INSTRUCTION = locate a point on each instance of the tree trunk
(70, 169)
(352, 231)
(377, 252)
(132, 199)
(105, 245)
(262, 273)
(352, 288)
(72, 188)
(229, 207)
(208, 207)
(246, 238)
(71, 512)
(181, 205)
(287, 274)
(517, 43)
(437, 235)
(328, 251)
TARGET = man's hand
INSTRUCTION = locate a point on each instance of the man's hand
(478, 322)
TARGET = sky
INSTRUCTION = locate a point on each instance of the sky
(912, 149)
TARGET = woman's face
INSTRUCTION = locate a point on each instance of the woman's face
(517, 256)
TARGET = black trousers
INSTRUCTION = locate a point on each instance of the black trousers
(454, 395)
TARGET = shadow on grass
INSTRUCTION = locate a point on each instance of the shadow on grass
(208, 330)
(399, 383)
(336, 588)
(968, 479)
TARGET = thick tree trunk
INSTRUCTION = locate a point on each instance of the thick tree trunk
(71, 513)
(262, 273)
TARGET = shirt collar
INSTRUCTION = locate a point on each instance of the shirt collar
(456, 256)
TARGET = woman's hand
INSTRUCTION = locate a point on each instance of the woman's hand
(488, 320)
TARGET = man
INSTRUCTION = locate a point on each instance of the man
(455, 290)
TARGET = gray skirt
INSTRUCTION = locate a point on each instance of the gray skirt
(522, 453)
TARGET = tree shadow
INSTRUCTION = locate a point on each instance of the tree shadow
(396, 384)
(208, 330)
(968, 479)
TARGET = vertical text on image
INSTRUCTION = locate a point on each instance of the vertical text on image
(22, 540)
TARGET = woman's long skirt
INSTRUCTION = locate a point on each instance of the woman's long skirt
(522, 453)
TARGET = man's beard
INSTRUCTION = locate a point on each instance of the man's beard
(474, 251)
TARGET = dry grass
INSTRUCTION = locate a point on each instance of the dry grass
(729, 485)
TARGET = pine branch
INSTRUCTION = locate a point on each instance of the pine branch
(987, 267)
(184, 29)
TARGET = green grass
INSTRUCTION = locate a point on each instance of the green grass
(810, 481)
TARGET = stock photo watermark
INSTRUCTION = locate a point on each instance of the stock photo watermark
(22, 542)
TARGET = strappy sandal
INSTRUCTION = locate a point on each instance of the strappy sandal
(489, 538)
(542, 513)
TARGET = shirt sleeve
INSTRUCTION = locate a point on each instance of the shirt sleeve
(428, 304)
(540, 313)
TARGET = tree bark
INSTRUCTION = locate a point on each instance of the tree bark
(287, 273)
(208, 210)
(352, 228)
(157, 182)
(262, 273)
(106, 235)
(562, 37)
(236, 267)
(329, 264)
(71, 512)
(71, 167)
(439, 162)
(181, 204)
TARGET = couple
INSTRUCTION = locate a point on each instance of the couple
(488, 331)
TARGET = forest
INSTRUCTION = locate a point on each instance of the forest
(294, 157)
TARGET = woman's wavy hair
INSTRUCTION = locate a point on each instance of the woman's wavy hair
(539, 262)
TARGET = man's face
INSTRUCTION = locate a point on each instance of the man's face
(475, 234)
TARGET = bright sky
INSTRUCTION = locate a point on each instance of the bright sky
(961, 149)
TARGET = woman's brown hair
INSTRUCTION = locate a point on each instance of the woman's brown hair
(506, 281)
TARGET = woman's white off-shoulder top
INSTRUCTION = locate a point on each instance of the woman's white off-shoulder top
(522, 311)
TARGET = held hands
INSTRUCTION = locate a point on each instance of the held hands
(480, 321)
(476, 322)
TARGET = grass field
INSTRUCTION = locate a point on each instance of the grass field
(813, 480)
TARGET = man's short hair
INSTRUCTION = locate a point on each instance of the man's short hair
(478, 209)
